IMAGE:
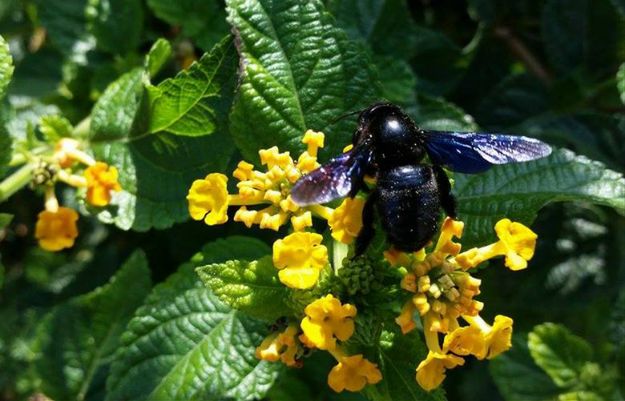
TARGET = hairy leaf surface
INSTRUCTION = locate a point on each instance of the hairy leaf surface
(157, 169)
(299, 72)
(398, 357)
(559, 353)
(518, 191)
(197, 100)
(6, 66)
(251, 287)
(183, 343)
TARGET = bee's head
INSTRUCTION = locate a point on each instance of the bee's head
(371, 117)
(393, 134)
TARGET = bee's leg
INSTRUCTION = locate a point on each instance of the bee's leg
(367, 231)
(447, 199)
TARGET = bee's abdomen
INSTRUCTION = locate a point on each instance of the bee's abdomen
(408, 205)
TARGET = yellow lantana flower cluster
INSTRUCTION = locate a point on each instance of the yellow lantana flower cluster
(56, 227)
(443, 296)
(264, 199)
(326, 322)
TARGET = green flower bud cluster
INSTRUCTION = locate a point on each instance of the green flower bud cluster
(44, 174)
(360, 275)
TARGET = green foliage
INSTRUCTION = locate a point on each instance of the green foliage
(397, 356)
(298, 73)
(156, 169)
(159, 54)
(5, 219)
(251, 287)
(552, 363)
(195, 102)
(518, 191)
(170, 91)
(201, 20)
(55, 127)
(6, 66)
(559, 353)
(83, 332)
(183, 333)
(66, 24)
(583, 33)
(115, 24)
(519, 378)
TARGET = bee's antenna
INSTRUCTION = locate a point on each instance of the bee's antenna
(339, 118)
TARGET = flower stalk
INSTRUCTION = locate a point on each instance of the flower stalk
(16, 181)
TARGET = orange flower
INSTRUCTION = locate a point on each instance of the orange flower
(101, 180)
(353, 373)
(56, 230)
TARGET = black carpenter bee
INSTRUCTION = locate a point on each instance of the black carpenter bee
(408, 194)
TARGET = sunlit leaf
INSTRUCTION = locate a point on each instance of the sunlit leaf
(156, 170)
(299, 72)
(197, 100)
(559, 353)
(251, 287)
(518, 191)
(183, 343)
(159, 54)
(6, 66)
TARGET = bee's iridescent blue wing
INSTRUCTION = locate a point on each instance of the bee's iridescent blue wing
(472, 152)
(339, 177)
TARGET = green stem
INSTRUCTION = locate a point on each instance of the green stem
(16, 181)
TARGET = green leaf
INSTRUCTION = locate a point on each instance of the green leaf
(6, 66)
(159, 54)
(197, 100)
(398, 358)
(385, 25)
(289, 387)
(620, 81)
(39, 74)
(156, 170)
(518, 378)
(115, 24)
(581, 396)
(75, 340)
(438, 114)
(201, 20)
(251, 287)
(66, 26)
(438, 62)
(118, 114)
(184, 344)
(55, 127)
(518, 191)
(5, 219)
(559, 353)
(398, 81)
(588, 33)
(597, 136)
(299, 72)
